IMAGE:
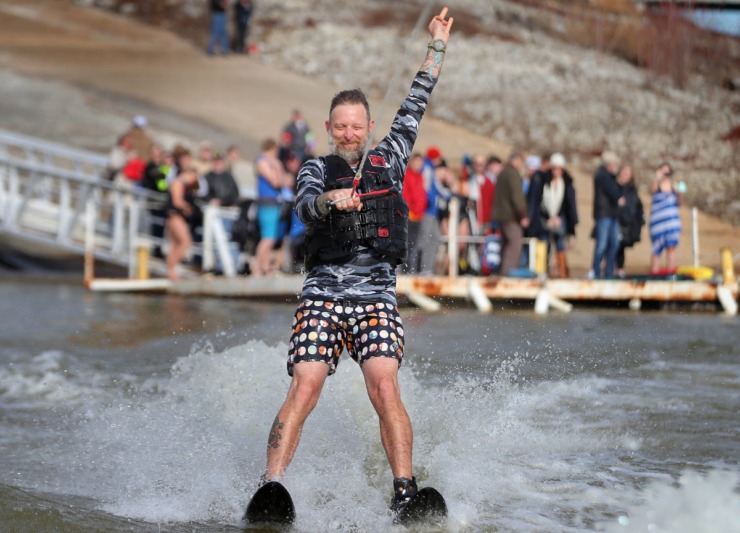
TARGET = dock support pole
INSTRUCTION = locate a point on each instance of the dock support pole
(478, 295)
(89, 242)
(142, 261)
(728, 267)
(542, 302)
(423, 301)
(540, 262)
(729, 304)
(559, 304)
(546, 300)
(724, 291)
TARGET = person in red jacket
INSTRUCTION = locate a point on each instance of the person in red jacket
(484, 190)
(416, 198)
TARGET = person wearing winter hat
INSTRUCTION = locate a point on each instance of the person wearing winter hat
(429, 235)
(552, 210)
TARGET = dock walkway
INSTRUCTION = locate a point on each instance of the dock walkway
(56, 204)
(429, 292)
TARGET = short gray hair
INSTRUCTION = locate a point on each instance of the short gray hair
(350, 96)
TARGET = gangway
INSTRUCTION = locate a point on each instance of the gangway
(56, 203)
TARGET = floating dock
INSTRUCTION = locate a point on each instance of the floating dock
(427, 291)
(720, 291)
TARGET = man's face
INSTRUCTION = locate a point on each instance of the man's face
(349, 131)
(478, 164)
(625, 175)
(495, 168)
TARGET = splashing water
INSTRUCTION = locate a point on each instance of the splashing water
(510, 451)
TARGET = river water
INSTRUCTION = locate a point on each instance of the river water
(150, 413)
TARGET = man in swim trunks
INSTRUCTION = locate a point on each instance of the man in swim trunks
(355, 238)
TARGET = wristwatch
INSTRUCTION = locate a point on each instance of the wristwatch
(438, 45)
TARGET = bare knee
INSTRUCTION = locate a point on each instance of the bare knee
(304, 393)
(304, 397)
(384, 391)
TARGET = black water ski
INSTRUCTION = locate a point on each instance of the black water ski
(270, 504)
(428, 505)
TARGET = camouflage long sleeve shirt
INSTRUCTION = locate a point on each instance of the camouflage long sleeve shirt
(364, 277)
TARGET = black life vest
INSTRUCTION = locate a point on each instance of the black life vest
(382, 225)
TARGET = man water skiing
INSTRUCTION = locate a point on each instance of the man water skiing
(355, 237)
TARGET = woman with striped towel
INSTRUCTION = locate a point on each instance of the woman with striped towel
(665, 223)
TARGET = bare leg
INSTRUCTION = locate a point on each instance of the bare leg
(279, 258)
(381, 379)
(263, 257)
(671, 257)
(180, 241)
(303, 394)
(655, 264)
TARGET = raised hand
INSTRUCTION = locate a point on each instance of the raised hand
(439, 28)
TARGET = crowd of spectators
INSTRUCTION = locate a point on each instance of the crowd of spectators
(504, 207)
(261, 224)
(500, 207)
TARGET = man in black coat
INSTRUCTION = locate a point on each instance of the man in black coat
(242, 13)
(222, 187)
(631, 216)
(607, 199)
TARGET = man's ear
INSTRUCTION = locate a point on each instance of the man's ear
(372, 126)
(327, 125)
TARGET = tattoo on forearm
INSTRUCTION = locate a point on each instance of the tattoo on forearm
(433, 63)
(273, 441)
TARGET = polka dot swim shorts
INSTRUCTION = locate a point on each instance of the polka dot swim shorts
(321, 329)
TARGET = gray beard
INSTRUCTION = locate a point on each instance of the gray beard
(350, 156)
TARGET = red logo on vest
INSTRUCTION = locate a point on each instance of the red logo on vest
(376, 160)
(383, 232)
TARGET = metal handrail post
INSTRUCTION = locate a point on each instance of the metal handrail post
(119, 214)
(65, 216)
(209, 260)
(695, 234)
(90, 217)
(221, 240)
(452, 248)
(133, 232)
(4, 198)
(14, 189)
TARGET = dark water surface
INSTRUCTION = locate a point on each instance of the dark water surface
(150, 413)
